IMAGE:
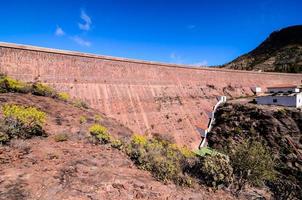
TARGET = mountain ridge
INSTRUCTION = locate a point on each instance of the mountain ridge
(280, 52)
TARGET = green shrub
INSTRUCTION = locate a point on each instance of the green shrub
(183, 150)
(118, 144)
(97, 118)
(22, 122)
(100, 132)
(205, 151)
(61, 137)
(3, 137)
(80, 104)
(164, 160)
(216, 170)
(41, 89)
(63, 96)
(8, 84)
(83, 120)
(252, 164)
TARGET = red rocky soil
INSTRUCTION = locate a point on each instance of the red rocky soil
(41, 168)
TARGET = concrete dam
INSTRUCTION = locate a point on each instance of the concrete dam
(148, 97)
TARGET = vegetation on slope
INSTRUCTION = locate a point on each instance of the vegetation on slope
(8, 84)
(165, 160)
(276, 129)
(280, 52)
(21, 122)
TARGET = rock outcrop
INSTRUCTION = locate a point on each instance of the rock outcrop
(279, 128)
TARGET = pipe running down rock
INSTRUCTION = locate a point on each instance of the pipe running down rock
(204, 133)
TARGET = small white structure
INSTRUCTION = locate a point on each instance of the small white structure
(256, 90)
(281, 95)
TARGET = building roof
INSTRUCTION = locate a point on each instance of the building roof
(282, 86)
(278, 94)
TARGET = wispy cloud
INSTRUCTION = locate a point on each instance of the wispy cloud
(81, 41)
(191, 26)
(77, 38)
(86, 25)
(59, 31)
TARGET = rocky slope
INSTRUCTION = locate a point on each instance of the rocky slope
(280, 52)
(41, 168)
(279, 128)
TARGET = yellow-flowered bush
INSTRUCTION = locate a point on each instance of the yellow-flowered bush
(63, 96)
(139, 140)
(26, 115)
(22, 122)
(166, 161)
(8, 84)
(100, 132)
(43, 90)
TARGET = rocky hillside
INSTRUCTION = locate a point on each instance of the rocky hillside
(68, 165)
(278, 128)
(280, 52)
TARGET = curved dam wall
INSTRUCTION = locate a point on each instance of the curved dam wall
(148, 97)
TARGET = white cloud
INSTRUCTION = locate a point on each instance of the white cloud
(87, 21)
(59, 31)
(81, 41)
(201, 63)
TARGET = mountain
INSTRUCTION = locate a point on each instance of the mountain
(280, 52)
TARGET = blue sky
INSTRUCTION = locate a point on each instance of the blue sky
(191, 32)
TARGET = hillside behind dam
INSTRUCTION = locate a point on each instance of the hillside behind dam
(147, 97)
(280, 52)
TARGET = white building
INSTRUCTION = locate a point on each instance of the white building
(281, 95)
(284, 89)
